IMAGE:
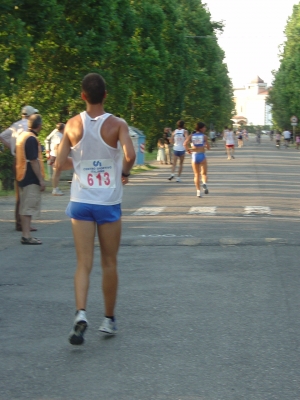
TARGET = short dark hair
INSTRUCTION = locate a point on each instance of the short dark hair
(93, 87)
(199, 126)
(180, 123)
(34, 121)
(60, 126)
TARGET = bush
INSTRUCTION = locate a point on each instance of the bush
(6, 169)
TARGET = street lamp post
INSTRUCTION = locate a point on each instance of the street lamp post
(294, 123)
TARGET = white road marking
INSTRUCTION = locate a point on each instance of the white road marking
(149, 211)
(255, 210)
(203, 210)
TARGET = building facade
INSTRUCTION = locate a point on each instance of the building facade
(251, 104)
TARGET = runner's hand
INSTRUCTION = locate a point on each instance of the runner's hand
(124, 180)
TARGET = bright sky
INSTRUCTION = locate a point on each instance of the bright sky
(253, 32)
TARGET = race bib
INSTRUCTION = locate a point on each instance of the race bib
(197, 140)
(95, 174)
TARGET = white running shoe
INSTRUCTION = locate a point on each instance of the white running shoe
(57, 192)
(80, 326)
(178, 179)
(198, 193)
(108, 326)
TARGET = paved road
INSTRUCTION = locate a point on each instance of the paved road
(208, 305)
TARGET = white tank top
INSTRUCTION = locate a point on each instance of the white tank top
(97, 166)
(179, 139)
(229, 138)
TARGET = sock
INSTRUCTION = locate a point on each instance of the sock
(112, 318)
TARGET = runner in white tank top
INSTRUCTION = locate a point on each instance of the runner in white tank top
(229, 140)
(178, 138)
(95, 140)
(97, 166)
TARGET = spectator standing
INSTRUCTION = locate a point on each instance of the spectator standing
(30, 176)
(161, 151)
(168, 134)
(297, 141)
(8, 137)
(55, 138)
(212, 136)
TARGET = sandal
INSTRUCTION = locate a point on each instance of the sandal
(30, 240)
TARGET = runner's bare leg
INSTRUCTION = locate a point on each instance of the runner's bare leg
(109, 238)
(84, 237)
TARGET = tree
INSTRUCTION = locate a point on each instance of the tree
(155, 73)
(284, 95)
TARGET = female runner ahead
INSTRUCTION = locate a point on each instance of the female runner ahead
(199, 143)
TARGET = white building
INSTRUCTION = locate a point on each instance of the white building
(250, 104)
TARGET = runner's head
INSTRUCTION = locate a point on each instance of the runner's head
(60, 127)
(200, 127)
(93, 89)
(180, 124)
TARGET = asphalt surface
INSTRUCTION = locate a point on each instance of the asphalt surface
(208, 303)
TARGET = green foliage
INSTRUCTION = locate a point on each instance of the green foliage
(156, 70)
(284, 96)
(6, 169)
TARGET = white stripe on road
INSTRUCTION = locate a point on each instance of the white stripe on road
(149, 211)
(255, 210)
(203, 210)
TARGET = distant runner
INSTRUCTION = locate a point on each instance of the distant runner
(229, 140)
(199, 143)
(178, 138)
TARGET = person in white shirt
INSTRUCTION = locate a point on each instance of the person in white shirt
(8, 137)
(53, 140)
(287, 137)
(229, 140)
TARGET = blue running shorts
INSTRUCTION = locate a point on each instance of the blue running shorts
(197, 158)
(94, 212)
(178, 153)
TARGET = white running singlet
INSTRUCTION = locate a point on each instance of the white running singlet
(179, 139)
(228, 135)
(97, 166)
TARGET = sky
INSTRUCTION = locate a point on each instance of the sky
(254, 30)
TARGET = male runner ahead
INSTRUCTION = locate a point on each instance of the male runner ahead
(96, 140)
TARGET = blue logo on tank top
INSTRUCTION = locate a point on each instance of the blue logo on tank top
(97, 164)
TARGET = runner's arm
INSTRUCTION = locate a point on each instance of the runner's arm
(207, 145)
(128, 150)
(187, 143)
(172, 138)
